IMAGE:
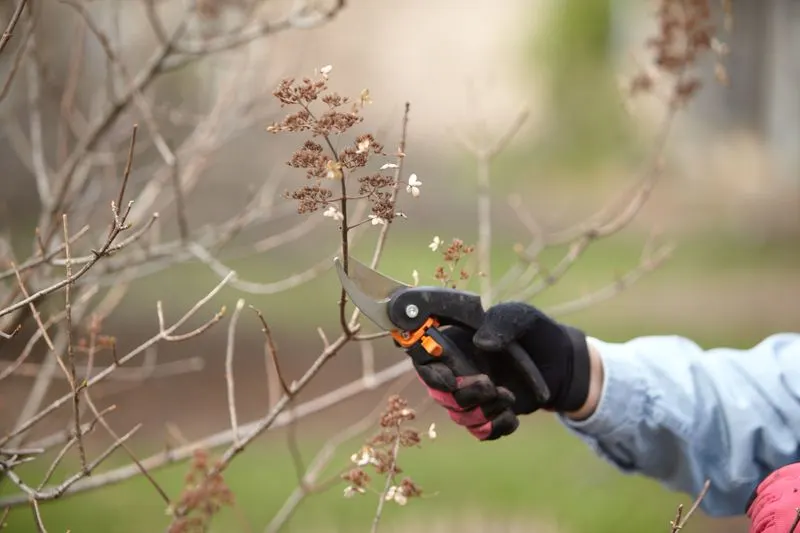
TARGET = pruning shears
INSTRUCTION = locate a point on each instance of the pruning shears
(413, 315)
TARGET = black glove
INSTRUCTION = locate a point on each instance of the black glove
(479, 383)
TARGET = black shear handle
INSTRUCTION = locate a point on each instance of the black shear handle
(410, 308)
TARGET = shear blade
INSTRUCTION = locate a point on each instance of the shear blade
(369, 290)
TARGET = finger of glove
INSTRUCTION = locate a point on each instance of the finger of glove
(480, 390)
(503, 324)
(503, 424)
(480, 414)
(461, 393)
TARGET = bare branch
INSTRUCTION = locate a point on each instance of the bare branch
(72, 377)
(250, 431)
(648, 264)
(58, 491)
(229, 379)
(163, 334)
(9, 31)
(484, 157)
(679, 522)
(37, 516)
(387, 485)
(117, 438)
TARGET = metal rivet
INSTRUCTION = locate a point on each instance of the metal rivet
(412, 311)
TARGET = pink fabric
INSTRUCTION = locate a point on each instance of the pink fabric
(474, 419)
(481, 432)
(777, 499)
(444, 399)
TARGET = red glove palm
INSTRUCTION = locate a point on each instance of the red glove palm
(777, 498)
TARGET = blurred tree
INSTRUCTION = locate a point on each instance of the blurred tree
(587, 123)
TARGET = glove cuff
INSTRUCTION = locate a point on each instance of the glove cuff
(578, 375)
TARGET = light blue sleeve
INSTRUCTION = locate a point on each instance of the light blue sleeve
(679, 414)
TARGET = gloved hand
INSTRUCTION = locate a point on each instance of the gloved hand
(775, 501)
(481, 387)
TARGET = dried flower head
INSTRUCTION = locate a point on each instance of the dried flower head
(381, 453)
(322, 162)
(685, 32)
(204, 494)
(454, 254)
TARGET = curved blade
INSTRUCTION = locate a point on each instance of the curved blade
(369, 290)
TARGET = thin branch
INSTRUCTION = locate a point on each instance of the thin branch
(679, 521)
(35, 118)
(125, 374)
(9, 31)
(58, 491)
(648, 264)
(324, 456)
(163, 334)
(47, 258)
(76, 389)
(39, 333)
(37, 516)
(229, 379)
(223, 438)
(34, 312)
(389, 482)
(117, 438)
(73, 438)
(274, 373)
(119, 225)
(484, 158)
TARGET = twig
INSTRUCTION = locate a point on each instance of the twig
(34, 312)
(9, 31)
(11, 368)
(275, 378)
(163, 334)
(76, 389)
(47, 258)
(321, 460)
(100, 416)
(380, 245)
(119, 224)
(35, 118)
(58, 491)
(37, 516)
(8, 336)
(226, 437)
(229, 379)
(609, 291)
(389, 482)
(679, 521)
(87, 428)
(484, 158)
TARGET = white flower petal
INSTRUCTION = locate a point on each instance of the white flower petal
(413, 180)
(388, 165)
(400, 498)
(326, 69)
(432, 431)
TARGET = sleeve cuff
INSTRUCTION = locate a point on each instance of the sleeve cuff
(621, 409)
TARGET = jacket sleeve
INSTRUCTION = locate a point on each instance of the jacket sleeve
(681, 415)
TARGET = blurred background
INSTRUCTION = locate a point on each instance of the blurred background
(729, 198)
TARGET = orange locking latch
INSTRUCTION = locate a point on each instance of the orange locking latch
(430, 345)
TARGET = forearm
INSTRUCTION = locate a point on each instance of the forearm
(663, 407)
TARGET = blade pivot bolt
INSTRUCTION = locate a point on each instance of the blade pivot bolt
(412, 311)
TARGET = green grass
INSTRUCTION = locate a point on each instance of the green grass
(541, 472)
